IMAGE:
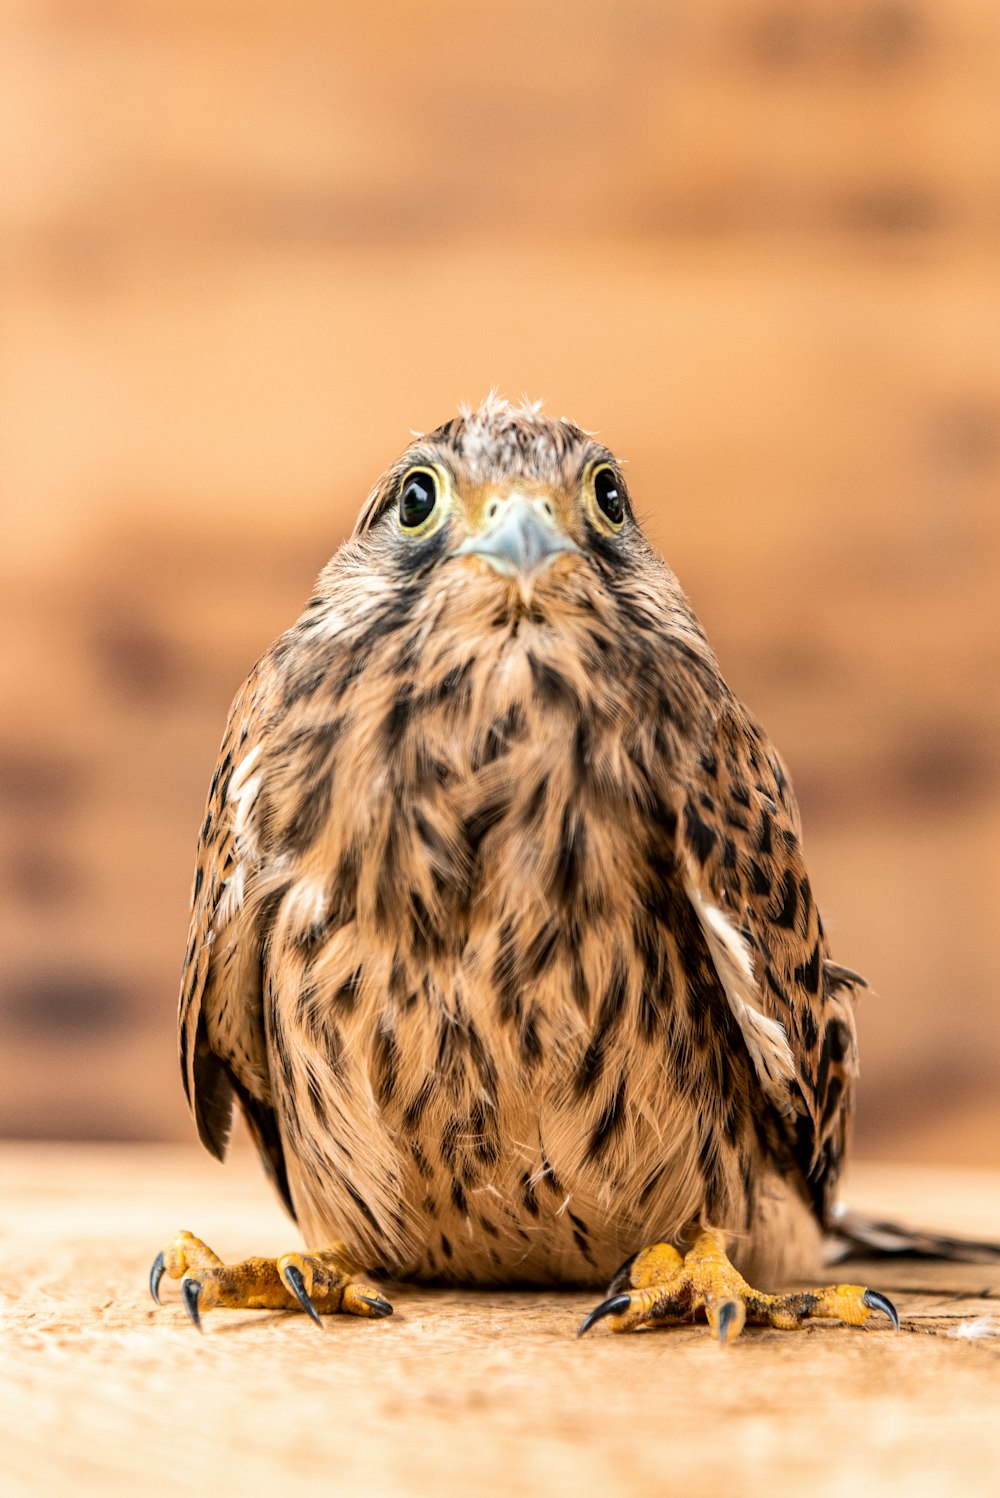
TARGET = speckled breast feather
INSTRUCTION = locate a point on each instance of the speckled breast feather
(502, 936)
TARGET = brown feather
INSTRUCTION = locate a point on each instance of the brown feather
(500, 904)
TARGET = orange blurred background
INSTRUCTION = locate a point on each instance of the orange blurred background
(247, 245)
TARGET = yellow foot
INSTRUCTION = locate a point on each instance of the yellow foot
(319, 1282)
(658, 1286)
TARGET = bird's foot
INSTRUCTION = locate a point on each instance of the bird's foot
(657, 1286)
(318, 1283)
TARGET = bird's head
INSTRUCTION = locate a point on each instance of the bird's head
(502, 501)
(498, 568)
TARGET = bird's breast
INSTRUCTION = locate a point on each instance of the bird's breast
(478, 1002)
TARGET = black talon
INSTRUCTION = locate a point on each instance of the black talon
(191, 1292)
(379, 1305)
(727, 1315)
(613, 1306)
(621, 1274)
(292, 1276)
(155, 1276)
(879, 1302)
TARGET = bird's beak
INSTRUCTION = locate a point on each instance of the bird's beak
(520, 539)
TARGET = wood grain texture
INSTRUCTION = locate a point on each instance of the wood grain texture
(459, 1392)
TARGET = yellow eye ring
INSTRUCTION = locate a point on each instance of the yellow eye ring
(421, 495)
(608, 495)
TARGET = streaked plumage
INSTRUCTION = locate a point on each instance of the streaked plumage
(502, 935)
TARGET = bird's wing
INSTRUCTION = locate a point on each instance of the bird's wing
(220, 1020)
(742, 868)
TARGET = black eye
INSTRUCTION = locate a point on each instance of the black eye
(608, 494)
(417, 498)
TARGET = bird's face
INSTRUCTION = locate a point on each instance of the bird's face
(502, 503)
(515, 524)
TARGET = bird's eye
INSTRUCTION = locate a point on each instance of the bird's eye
(608, 495)
(417, 498)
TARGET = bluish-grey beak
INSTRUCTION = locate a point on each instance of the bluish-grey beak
(522, 542)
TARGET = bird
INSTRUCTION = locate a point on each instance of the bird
(502, 937)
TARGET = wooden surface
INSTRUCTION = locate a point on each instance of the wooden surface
(100, 1392)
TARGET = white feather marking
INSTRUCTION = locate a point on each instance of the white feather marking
(765, 1038)
(242, 794)
(242, 808)
(306, 903)
(243, 769)
(330, 623)
(529, 407)
(233, 894)
(492, 405)
(479, 437)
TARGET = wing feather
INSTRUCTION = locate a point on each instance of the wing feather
(221, 1033)
(747, 881)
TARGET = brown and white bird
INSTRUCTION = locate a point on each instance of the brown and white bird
(503, 939)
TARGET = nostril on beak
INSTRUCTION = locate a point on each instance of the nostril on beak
(521, 537)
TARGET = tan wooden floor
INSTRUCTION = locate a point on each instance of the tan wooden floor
(100, 1392)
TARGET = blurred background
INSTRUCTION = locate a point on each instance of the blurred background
(247, 245)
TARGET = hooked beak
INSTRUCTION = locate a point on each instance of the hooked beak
(521, 542)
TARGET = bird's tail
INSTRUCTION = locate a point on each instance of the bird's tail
(858, 1236)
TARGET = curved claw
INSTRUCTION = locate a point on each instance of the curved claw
(729, 1314)
(292, 1276)
(191, 1293)
(155, 1276)
(621, 1274)
(877, 1302)
(378, 1305)
(613, 1306)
